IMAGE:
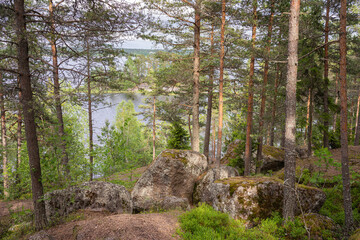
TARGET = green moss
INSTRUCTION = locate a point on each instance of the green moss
(273, 152)
(356, 235)
(174, 154)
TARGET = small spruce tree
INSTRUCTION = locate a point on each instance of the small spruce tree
(179, 138)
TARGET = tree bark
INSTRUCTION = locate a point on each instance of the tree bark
(357, 128)
(337, 94)
(273, 112)
(247, 157)
(91, 141)
(265, 81)
(5, 173)
(307, 116)
(221, 81)
(290, 120)
(309, 132)
(59, 114)
(326, 78)
(210, 98)
(29, 116)
(343, 123)
(214, 142)
(18, 135)
(195, 143)
(154, 129)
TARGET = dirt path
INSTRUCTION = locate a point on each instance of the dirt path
(150, 226)
(17, 205)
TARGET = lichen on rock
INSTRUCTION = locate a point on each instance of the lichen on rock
(89, 195)
(169, 181)
(251, 198)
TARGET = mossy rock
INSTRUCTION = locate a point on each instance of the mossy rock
(169, 181)
(274, 152)
(356, 235)
(256, 198)
(322, 227)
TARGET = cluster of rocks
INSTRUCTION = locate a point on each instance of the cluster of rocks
(179, 179)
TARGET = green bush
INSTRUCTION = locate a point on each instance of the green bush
(204, 222)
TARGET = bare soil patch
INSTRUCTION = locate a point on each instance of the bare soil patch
(156, 226)
(14, 206)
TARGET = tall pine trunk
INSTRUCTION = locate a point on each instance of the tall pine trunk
(337, 93)
(210, 98)
(91, 132)
(357, 128)
(326, 78)
(3, 140)
(265, 81)
(221, 81)
(29, 116)
(247, 157)
(273, 112)
(343, 123)
(59, 113)
(18, 135)
(309, 132)
(195, 143)
(290, 119)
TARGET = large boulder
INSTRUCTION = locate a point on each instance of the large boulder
(202, 190)
(231, 152)
(272, 159)
(321, 227)
(251, 198)
(169, 181)
(89, 195)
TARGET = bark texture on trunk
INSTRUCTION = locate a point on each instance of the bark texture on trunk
(290, 120)
(18, 135)
(29, 116)
(343, 123)
(247, 157)
(221, 81)
(309, 132)
(59, 113)
(337, 93)
(195, 143)
(210, 99)
(265, 81)
(357, 128)
(273, 112)
(326, 78)
(5, 173)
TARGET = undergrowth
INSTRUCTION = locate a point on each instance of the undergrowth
(204, 222)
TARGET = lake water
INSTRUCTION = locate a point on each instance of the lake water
(106, 110)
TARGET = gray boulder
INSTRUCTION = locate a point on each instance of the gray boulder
(42, 235)
(272, 159)
(251, 198)
(169, 181)
(202, 190)
(231, 152)
(89, 195)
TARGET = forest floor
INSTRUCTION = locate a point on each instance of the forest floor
(157, 226)
(85, 224)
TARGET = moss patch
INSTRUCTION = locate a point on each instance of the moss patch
(174, 154)
(273, 152)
